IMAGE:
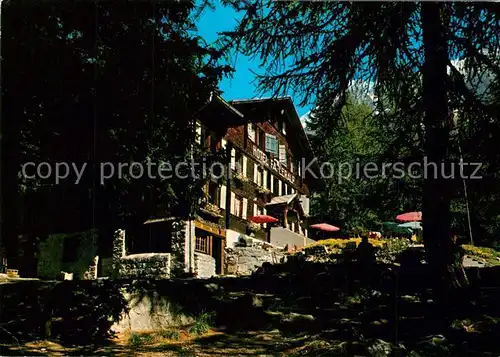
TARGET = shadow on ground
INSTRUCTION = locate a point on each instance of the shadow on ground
(310, 309)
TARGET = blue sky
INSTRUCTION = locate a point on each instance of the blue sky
(240, 86)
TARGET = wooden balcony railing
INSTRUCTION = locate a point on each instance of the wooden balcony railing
(272, 164)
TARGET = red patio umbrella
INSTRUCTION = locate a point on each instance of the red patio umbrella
(263, 218)
(325, 227)
(410, 217)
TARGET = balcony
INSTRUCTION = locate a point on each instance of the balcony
(281, 237)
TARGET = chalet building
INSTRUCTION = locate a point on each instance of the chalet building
(262, 146)
(265, 154)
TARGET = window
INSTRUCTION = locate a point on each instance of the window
(251, 132)
(269, 177)
(238, 202)
(213, 192)
(214, 144)
(276, 186)
(149, 238)
(260, 176)
(262, 140)
(271, 144)
(260, 211)
(239, 162)
(202, 243)
(204, 138)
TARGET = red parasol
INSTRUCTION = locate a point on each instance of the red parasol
(263, 219)
(325, 227)
(410, 217)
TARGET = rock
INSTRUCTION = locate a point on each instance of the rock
(296, 318)
(212, 287)
(380, 348)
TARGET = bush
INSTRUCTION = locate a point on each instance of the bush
(85, 311)
(202, 324)
(391, 249)
(171, 335)
(334, 243)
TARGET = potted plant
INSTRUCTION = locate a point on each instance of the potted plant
(262, 191)
(253, 227)
(210, 207)
(240, 177)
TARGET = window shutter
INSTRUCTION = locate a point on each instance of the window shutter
(233, 159)
(244, 165)
(223, 197)
(265, 179)
(233, 198)
(268, 142)
(245, 208)
(255, 172)
(274, 141)
(272, 182)
(282, 154)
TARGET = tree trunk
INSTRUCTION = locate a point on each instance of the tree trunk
(448, 272)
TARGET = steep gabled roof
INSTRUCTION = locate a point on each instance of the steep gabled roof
(293, 118)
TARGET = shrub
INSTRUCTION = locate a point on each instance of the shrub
(202, 324)
(392, 248)
(490, 255)
(137, 339)
(171, 335)
(334, 243)
(387, 249)
(85, 311)
(134, 340)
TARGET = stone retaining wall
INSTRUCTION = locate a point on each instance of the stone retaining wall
(144, 266)
(245, 260)
(204, 265)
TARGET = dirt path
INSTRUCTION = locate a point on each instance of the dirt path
(214, 343)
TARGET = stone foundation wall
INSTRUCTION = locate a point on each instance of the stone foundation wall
(150, 314)
(145, 266)
(204, 265)
(245, 260)
(91, 272)
(152, 265)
